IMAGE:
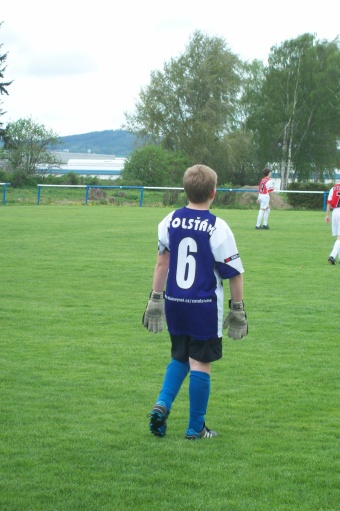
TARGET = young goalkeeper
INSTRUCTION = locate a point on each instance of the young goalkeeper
(196, 250)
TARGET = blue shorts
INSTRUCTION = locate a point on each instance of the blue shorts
(183, 347)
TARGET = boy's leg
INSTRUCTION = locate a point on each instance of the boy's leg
(199, 392)
(259, 218)
(335, 232)
(174, 376)
(336, 250)
(265, 216)
(199, 385)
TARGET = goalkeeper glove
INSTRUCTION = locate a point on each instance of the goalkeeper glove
(154, 313)
(236, 320)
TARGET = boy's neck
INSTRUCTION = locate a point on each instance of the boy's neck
(200, 205)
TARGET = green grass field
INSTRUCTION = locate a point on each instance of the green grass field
(79, 374)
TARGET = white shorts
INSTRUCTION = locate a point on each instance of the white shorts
(336, 222)
(264, 200)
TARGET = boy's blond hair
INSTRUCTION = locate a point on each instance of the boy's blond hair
(199, 182)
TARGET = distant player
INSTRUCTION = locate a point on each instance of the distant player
(333, 202)
(266, 187)
(196, 250)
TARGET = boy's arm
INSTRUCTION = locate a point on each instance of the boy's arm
(161, 271)
(236, 320)
(236, 288)
(154, 312)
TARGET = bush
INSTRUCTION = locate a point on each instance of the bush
(224, 199)
(20, 178)
(72, 178)
(3, 177)
(170, 197)
(306, 200)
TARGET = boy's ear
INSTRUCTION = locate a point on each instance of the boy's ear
(213, 193)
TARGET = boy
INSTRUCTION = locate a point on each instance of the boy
(196, 250)
(333, 202)
(266, 187)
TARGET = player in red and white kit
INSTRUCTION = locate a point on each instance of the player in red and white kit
(266, 187)
(333, 202)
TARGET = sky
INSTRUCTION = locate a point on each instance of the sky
(77, 66)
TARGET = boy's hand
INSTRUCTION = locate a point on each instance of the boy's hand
(154, 313)
(236, 320)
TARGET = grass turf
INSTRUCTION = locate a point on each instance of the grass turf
(79, 373)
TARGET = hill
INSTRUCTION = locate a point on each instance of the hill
(118, 142)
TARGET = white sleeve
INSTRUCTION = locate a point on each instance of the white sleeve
(270, 185)
(163, 234)
(224, 247)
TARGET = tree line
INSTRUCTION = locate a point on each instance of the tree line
(238, 116)
(208, 106)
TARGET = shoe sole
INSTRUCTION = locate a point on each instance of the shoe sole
(207, 434)
(194, 437)
(157, 424)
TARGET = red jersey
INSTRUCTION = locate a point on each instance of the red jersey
(334, 197)
(266, 185)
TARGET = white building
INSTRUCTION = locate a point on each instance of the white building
(95, 165)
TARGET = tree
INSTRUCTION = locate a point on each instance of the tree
(295, 113)
(155, 166)
(27, 148)
(191, 104)
(3, 85)
(240, 161)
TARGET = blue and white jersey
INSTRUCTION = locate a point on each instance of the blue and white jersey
(202, 253)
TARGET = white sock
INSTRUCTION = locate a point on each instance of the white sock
(259, 218)
(266, 215)
(336, 250)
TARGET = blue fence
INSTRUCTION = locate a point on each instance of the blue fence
(143, 188)
(140, 188)
(4, 192)
(164, 188)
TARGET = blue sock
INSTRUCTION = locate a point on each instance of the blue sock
(174, 376)
(199, 391)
